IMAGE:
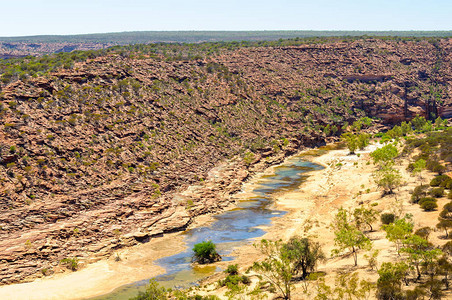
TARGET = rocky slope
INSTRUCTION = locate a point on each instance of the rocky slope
(100, 156)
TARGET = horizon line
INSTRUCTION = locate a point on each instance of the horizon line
(232, 31)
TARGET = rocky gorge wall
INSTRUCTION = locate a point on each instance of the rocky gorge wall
(100, 156)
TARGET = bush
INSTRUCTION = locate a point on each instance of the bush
(390, 280)
(304, 253)
(450, 195)
(410, 167)
(418, 193)
(446, 183)
(447, 248)
(153, 292)
(418, 122)
(447, 211)
(437, 192)
(387, 218)
(425, 199)
(417, 293)
(388, 178)
(70, 263)
(429, 205)
(205, 253)
(234, 280)
(246, 279)
(423, 232)
(444, 224)
(385, 154)
(232, 269)
(351, 141)
(438, 180)
(248, 158)
(440, 169)
(230, 279)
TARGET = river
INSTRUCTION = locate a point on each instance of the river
(228, 230)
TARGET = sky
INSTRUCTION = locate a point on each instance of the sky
(39, 17)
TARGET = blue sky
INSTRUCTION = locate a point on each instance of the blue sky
(34, 17)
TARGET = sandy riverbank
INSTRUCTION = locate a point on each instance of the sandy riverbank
(137, 263)
(346, 182)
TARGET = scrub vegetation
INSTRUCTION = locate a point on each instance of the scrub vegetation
(417, 269)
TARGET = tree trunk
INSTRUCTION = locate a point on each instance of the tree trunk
(287, 295)
(304, 269)
(446, 281)
(355, 256)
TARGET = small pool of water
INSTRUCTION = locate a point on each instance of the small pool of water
(228, 230)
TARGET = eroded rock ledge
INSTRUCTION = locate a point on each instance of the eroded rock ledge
(50, 232)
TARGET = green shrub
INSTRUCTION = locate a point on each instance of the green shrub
(429, 205)
(390, 281)
(232, 269)
(440, 169)
(205, 253)
(437, 192)
(246, 279)
(438, 180)
(363, 140)
(450, 195)
(424, 199)
(387, 218)
(410, 167)
(435, 166)
(45, 271)
(419, 192)
(446, 213)
(418, 122)
(447, 248)
(70, 263)
(248, 158)
(385, 154)
(378, 134)
(417, 293)
(447, 184)
(153, 292)
(423, 232)
(231, 280)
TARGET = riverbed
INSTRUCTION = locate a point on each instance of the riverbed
(228, 230)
